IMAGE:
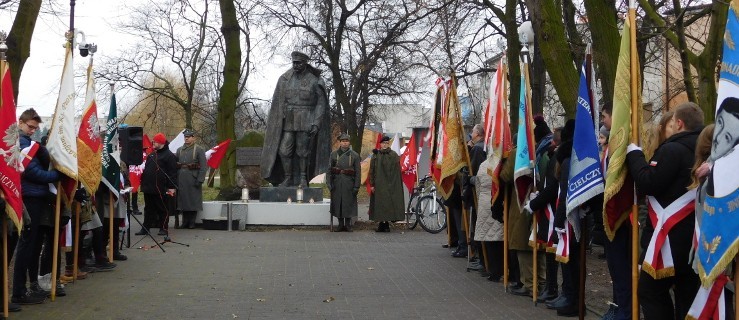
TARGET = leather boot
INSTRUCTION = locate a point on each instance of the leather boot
(190, 216)
(287, 167)
(341, 226)
(348, 225)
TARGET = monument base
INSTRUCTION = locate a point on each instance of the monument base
(281, 194)
(264, 213)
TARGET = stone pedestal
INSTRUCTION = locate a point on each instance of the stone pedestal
(281, 194)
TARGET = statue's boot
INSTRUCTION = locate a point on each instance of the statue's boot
(303, 180)
(288, 169)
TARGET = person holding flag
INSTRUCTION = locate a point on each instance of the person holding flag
(35, 190)
(669, 229)
(191, 166)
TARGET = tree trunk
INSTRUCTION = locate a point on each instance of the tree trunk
(514, 66)
(19, 39)
(605, 45)
(225, 121)
(557, 56)
(708, 64)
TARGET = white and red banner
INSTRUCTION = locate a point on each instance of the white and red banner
(409, 164)
(12, 165)
(216, 154)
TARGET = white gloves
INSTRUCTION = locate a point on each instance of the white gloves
(632, 147)
(527, 208)
(533, 195)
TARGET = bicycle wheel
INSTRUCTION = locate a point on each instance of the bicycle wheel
(431, 214)
(411, 218)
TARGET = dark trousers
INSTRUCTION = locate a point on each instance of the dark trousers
(116, 233)
(12, 242)
(494, 251)
(618, 258)
(26, 244)
(514, 273)
(133, 204)
(571, 273)
(451, 229)
(456, 212)
(157, 210)
(552, 269)
(43, 248)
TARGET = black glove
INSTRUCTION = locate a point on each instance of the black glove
(63, 220)
(374, 151)
(81, 195)
(497, 214)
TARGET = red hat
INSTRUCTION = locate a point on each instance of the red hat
(160, 138)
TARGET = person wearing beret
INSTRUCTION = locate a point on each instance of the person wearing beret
(158, 183)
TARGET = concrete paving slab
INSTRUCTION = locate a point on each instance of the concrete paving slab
(289, 274)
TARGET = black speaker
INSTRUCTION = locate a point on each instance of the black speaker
(132, 145)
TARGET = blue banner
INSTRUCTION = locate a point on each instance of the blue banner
(586, 176)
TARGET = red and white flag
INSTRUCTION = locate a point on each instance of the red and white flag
(89, 142)
(710, 302)
(409, 164)
(215, 155)
(11, 167)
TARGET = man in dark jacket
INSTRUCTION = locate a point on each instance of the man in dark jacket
(664, 180)
(35, 192)
(158, 183)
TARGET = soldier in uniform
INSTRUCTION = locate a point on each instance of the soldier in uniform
(190, 176)
(343, 179)
(297, 126)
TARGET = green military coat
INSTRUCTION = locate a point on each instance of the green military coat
(343, 178)
(386, 203)
(190, 176)
(519, 222)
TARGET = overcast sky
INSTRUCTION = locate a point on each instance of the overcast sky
(39, 86)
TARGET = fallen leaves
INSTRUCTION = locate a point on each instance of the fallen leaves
(329, 299)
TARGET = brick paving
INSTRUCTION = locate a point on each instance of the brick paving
(289, 274)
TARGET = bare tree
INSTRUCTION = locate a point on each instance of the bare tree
(176, 40)
(362, 44)
(19, 38)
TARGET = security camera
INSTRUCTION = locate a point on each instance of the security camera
(87, 48)
(84, 50)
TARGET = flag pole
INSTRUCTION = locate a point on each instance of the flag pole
(76, 253)
(5, 263)
(505, 238)
(110, 227)
(635, 140)
(55, 240)
(466, 224)
(525, 58)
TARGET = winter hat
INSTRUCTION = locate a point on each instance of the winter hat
(385, 138)
(160, 138)
(541, 129)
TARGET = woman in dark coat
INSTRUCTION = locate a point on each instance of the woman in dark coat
(343, 178)
(387, 187)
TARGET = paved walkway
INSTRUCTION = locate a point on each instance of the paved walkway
(289, 274)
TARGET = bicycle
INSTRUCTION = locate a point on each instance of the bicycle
(431, 212)
(411, 219)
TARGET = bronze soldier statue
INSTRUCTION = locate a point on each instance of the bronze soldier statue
(297, 138)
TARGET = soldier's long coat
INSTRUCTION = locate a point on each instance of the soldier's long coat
(342, 186)
(387, 200)
(190, 181)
